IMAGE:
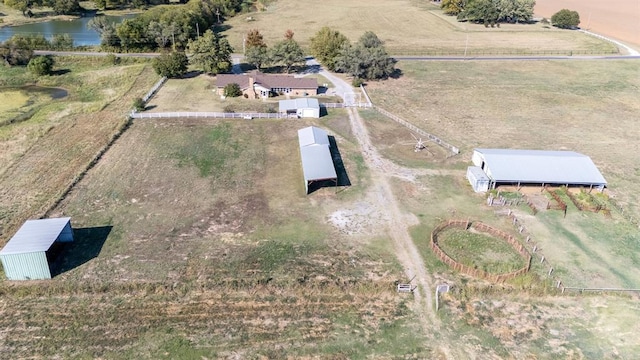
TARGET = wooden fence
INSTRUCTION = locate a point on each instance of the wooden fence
(454, 150)
(481, 227)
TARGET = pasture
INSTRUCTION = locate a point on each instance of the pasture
(213, 249)
(408, 27)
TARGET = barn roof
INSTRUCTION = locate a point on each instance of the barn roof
(299, 103)
(541, 166)
(35, 236)
(317, 162)
(312, 136)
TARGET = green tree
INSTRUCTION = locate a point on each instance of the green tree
(22, 5)
(161, 33)
(62, 42)
(232, 90)
(366, 60)
(106, 30)
(326, 45)
(481, 11)
(171, 65)
(211, 53)
(64, 7)
(257, 56)
(41, 65)
(13, 52)
(287, 53)
(514, 11)
(566, 19)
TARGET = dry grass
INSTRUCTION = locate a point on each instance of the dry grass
(619, 22)
(76, 130)
(538, 105)
(406, 26)
(234, 259)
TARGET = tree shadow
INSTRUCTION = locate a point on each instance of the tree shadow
(60, 72)
(396, 73)
(87, 244)
(191, 74)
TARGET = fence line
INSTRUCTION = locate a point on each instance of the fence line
(466, 224)
(482, 52)
(154, 89)
(579, 289)
(223, 115)
(454, 150)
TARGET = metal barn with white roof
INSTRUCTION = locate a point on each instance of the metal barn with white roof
(301, 107)
(317, 162)
(509, 166)
(25, 256)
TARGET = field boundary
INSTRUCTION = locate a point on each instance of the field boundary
(481, 227)
(454, 150)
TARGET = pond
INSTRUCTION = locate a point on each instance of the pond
(76, 28)
(20, 103)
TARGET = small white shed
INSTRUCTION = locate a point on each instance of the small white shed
(301, 107)
(478, 179)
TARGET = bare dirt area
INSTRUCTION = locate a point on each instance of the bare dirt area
(621, 21)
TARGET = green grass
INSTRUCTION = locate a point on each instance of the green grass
(480, 251)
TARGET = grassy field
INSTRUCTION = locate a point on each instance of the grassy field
(35, 169)
(407, 27)
(213, 249)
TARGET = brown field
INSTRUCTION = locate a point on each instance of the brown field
(619, 20)
(195, 238)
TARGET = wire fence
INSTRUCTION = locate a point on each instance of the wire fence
(502, 52)
(247, 116)
(454, 150)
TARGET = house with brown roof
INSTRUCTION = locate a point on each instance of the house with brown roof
(257, 85)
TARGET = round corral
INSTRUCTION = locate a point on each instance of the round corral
(486, 230)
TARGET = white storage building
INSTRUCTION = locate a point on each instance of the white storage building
(301, 107)
(509, 166)
(317, 162)
(26, 255)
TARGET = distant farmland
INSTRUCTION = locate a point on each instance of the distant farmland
(620, 20)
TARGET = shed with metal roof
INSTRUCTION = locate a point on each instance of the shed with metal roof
(317, 162)
(27, 255)
(510, 166)
(300, 107)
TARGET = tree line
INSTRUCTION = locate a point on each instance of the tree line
(490, 12)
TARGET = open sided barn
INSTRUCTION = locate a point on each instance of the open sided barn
(28, 254)
(533, 167)
(317, 162)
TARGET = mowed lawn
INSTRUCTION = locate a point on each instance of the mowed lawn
(406, 27)
(584, 106)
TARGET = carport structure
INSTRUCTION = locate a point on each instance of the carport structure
(539, 167)
(317, 162)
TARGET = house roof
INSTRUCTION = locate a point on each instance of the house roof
(317, 162)
(35, 236)
(267, 81)
(299, 103)
(541, 166)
